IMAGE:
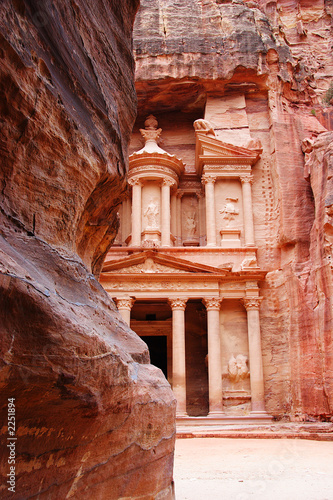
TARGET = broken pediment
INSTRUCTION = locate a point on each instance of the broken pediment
(150, 262)
(212, 151)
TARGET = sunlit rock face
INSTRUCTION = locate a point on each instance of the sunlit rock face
(261, 70)
(93, 418)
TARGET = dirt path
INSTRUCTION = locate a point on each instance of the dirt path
(246, 469)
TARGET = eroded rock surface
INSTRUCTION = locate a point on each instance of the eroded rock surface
(93, 418)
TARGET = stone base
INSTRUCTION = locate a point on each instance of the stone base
(321, 431)
(221, 419)
(230, 238)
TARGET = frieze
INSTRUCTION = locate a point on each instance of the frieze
(156, 285)
(228, 167)
(149, 266)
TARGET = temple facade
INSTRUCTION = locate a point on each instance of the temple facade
(184, 273)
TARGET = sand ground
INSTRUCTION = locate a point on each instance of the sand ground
(246, 469)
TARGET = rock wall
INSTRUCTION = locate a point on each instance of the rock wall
(275, 58)
(93, 418)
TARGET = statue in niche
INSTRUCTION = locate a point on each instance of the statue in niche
(238, 368)
(191, 224)
(151, 213)
(229, 211)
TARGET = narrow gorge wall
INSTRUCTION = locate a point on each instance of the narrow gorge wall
(93, 418)
(262, 70)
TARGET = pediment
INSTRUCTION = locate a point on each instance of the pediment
(149, 262)
(211, 150)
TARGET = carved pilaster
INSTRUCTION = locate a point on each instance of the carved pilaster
(246, 180)
(208, 181)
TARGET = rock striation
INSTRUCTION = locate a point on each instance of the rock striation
(93, 418)
(261, 70)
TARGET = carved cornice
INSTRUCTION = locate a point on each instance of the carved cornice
(125, 303)
(252, 303)
(212, 303)
(179, 304)
(145, 172)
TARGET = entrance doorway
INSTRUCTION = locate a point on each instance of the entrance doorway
(157, 345)
(151, 320)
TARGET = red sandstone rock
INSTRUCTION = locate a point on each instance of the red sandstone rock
(93, 418)
(278, 56)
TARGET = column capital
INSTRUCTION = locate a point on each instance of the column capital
(125, 302)
(212, 303)
(199, 194)
(135, 181)
(208, 178)
(168, 182)
(252, 302)
(246, 178)
(178, 303)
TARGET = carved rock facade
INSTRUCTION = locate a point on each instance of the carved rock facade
(253, 78)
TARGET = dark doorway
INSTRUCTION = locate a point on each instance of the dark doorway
(157, 345)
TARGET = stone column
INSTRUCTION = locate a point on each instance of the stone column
(201, 224)
(255, 355)
(246, 181)
(179, 218)
(136, 212)
(173, 215)
(208, 181)
(165, 219)
(214, 355)
(127, 217)
(124, 306)
(178, 354)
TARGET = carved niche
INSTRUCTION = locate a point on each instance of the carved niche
(190, 220)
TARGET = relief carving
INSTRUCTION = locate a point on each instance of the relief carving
(191, 224)
(148, 266)
(202, 125)
(249, 262)
(152, 213)
(238, 368)
(229, 211)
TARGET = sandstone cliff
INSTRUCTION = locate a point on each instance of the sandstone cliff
(93, 418)
(273, 62)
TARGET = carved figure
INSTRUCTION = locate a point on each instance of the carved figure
(249, 262)
(254, 144)
(191, 224)
(229, 211)
(151, 213)
(204, 126)
(237, 368)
